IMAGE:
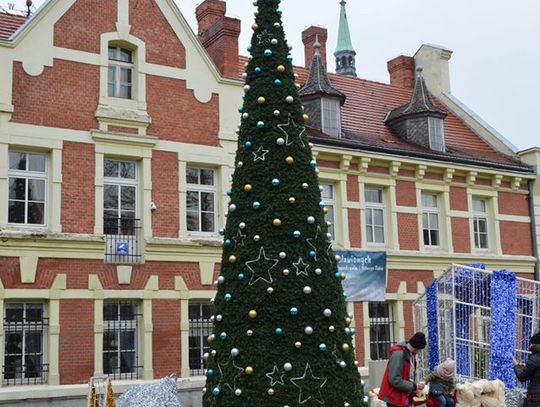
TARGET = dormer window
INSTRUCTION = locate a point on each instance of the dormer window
(120, 72)
(436, 134)
(330, 117)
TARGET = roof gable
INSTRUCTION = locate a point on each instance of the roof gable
(9, 24)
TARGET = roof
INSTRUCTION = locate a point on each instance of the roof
(366, 107)
(9, 23)
(344, 43)
(318, 82)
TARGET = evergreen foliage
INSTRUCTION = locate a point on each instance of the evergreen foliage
(281, 331)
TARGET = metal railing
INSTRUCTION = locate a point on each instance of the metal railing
(122, 240)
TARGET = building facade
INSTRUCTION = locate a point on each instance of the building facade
(117, 140)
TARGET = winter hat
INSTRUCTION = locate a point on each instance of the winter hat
(535, 339)
(418, 340)
(446, 368)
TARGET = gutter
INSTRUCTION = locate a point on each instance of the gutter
(534, 231)
(459, 160)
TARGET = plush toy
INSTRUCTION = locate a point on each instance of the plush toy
(482, 393)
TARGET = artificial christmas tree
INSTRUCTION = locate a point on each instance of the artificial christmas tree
(281, 331)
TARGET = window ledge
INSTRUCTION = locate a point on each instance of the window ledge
(188, 241)
(45, 234)
(123, 115)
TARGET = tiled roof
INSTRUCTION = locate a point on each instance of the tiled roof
(9, 23)
(364, 111)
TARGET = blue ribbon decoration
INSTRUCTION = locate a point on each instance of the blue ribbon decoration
(433, 325)
(503, 326)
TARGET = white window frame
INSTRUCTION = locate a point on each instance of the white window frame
(331, 117)
(371, 207)
(436, 134)
(383, 347)
(201, 328)
(117, 326)
(25, 327)
(480, 216)
(330, 203)
(199, 188)
(430, 210)
(28, 175)
(118, 65)
(120, 182)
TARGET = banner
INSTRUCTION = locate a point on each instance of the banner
(366, 275)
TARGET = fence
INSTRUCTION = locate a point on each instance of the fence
(460, 301)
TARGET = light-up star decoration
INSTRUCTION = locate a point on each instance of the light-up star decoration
(311, 241)
(309, 386)
(293, 131)
(301, 267)
(229, 369)
(240, 238)
(260, 154)
(261, 268)
(276, 376)
(265, 37)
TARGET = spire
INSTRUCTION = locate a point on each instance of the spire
(317, 83)
(345, 54)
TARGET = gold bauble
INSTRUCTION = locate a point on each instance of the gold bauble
(343, 276)
(261, 100)
(248, 187)
(276, 222)
(254, 26)
(281, 68)
(211, 338)
(252, 314)
(305, 117)
(348, 321)
(249, 370)
(345, 347)
(232, 258)
(246, 65)
(289, 160)
(325, 210)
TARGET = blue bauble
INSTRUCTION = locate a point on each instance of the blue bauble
(296, 234)
(277, 82)
(289, 58)
(210, 372)
(338, 275)
(294, 311)
(279, 12)
(241, 109)
(222, 231)
(267, 52)
(227, 242)
(278, 331)
(223, 336)
(322, 204)
(228, 297)
(215, 392)
(260, 124)
(241, 277)
(229, 192)
(322, 347)
(312, 253)
(257, 70)
(313, 163)
(248, 48)
(248, 144)
(256, 205)
(275, 182)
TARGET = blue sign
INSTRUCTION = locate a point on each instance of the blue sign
(366, 275)
(122, 248)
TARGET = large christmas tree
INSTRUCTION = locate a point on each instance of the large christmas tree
(281, 330)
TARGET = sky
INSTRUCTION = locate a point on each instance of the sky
(494, 69)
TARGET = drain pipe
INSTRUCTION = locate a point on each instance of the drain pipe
(530, 185)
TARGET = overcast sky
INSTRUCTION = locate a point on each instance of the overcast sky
(495, 68)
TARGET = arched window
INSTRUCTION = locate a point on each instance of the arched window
(350, 60)
(343, 61)
(120, 72)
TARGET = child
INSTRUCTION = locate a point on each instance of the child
(441, 383)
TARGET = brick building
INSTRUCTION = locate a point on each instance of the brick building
(117, 138)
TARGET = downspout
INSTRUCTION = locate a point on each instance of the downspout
(533, 231)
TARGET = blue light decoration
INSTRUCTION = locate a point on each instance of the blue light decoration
(503, 326)
(433, 326)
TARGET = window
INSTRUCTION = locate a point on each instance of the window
(374, 215)
(201, 200)
(480, 227)
(120, 197)
(120, 72)
(120, 356)
(430, 219)
(330, 202)
(27, 188)
(331, 120)
(24, 330)
(436, 134)
(381, 330)
(200, 326)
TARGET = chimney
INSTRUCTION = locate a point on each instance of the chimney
(308, 38)
(401, 71)
(434, 59)
(219, 36)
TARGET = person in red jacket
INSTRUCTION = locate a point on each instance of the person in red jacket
(398, 384)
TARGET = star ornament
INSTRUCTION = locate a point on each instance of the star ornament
(228, 370)
(260, 154)
(301, 267)
(261, 268)
(276, 376)
(293, 131)
(240, 238)
(264, 37)
(309, 386)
